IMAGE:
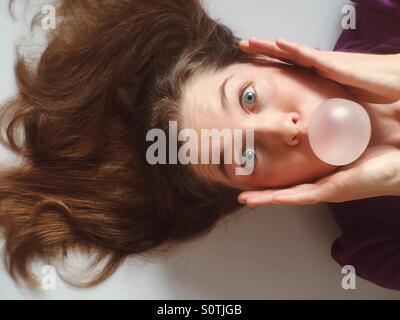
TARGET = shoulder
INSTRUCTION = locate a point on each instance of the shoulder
(370, 238)
(377, 28)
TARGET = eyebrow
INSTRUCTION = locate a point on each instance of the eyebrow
(222, 93)
(225, 106)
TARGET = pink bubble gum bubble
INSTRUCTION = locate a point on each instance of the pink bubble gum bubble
(339, 131)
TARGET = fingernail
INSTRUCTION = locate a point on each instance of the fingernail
(242, 199)
(255, 39)
(251, 204)
(286, 41)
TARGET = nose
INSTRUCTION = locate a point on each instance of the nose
(283, 128)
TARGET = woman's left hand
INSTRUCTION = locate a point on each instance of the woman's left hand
(372, 78)
(375, 173)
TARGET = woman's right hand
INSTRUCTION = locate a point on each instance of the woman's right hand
(372, 78)
(376, 173)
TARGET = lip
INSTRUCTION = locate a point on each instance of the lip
(303, 130)
(303, 134)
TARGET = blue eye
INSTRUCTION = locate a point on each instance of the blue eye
(249, 156)
(249, 97)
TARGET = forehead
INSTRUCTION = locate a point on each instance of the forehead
(201, 109)
(201, 104)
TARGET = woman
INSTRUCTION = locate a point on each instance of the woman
(112, 71)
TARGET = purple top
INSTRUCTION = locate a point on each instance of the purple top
(370, 239)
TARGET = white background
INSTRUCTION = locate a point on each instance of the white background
(265, 253)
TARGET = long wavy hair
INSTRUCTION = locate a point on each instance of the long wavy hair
(111, 71)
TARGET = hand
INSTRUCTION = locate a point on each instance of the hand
(375, 173)
(372, 78)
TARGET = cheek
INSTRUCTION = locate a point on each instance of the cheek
(288, 95)
(302, 87)
(284, 172)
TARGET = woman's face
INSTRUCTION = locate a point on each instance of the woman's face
(274, 99)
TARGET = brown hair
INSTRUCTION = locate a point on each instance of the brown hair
(111, 71)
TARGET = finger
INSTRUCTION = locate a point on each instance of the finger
(264, 197)
(328, 189)
(299, 195)
(244, 196)
(297, 198)
(268, 48)
(245, 47)
(307, 56)
(253, 45)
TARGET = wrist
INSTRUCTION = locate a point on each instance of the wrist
(394, 182)
(396, 64)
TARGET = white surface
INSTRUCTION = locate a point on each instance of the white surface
(265, 253)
